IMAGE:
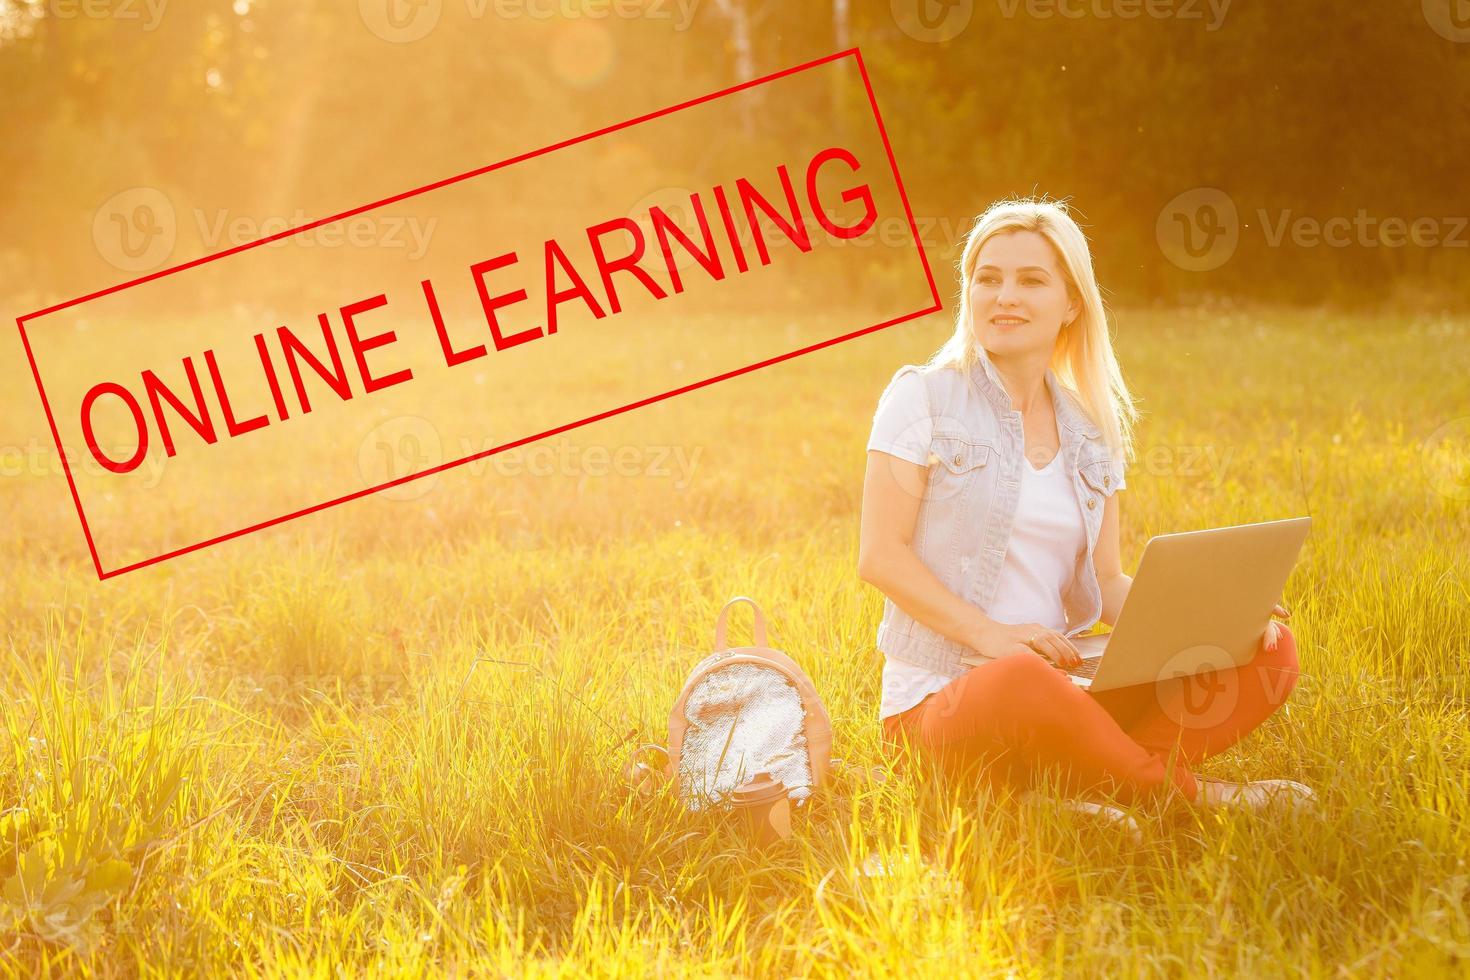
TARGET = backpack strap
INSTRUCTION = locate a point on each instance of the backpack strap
(760, 624)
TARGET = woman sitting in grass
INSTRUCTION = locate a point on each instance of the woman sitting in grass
(990, 523)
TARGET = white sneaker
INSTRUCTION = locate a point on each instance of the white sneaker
(1258, 794)
(1109, 814)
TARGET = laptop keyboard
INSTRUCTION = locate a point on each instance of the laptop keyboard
(1088, 668)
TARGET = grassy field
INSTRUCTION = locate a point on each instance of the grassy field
(387, 738)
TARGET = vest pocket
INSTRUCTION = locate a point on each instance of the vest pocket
(959, 455)
(1098, 475)
(953, 462)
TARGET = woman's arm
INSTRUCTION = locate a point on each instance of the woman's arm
(1107, 562)
(892, 491)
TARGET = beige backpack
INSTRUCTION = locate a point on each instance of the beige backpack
(744, 713)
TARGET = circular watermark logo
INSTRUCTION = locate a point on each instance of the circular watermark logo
(397, 448)
(1450, 19)
(1447, 459)
(1199, 229)
(952, 460)
(1198, 687)
(135, 229)
(400, 21)
(1445, 919)
(932, 21)
(676, 204)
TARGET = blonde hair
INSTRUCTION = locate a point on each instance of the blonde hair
(1083, 359)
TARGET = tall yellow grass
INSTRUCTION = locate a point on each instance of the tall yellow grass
(386, 738)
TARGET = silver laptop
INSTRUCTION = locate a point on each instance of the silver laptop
(1200, 600)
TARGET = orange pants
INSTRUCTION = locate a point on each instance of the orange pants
(1013, 716)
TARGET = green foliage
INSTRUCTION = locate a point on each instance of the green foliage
(100, 780)
(267, 108)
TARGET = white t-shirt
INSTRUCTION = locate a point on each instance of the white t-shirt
(1041, 557)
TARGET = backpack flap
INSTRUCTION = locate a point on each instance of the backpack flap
(743, 712)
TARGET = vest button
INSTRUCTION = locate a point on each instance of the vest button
(1107, 481)
(1091, 502)
(958, 459)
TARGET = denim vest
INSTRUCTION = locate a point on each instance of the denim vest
(969, 507)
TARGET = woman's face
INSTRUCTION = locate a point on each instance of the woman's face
(1018, 296)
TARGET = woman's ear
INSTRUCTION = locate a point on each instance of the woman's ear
(1074, 308)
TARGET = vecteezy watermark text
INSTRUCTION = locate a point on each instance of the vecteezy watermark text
(411, 444)
(136, 230)
(1211, 13)
(37, 458)
(405, 21)
(149, 12)
(937, 21)
(1200, 229)
(218, 229)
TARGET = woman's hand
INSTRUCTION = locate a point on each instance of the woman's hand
(996, 640)
(1272, 633)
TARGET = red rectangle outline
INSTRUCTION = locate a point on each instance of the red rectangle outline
(898, 180)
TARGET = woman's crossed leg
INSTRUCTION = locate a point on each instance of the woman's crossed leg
(1013, 716)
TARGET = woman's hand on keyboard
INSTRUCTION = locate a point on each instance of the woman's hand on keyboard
(1008, 640)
